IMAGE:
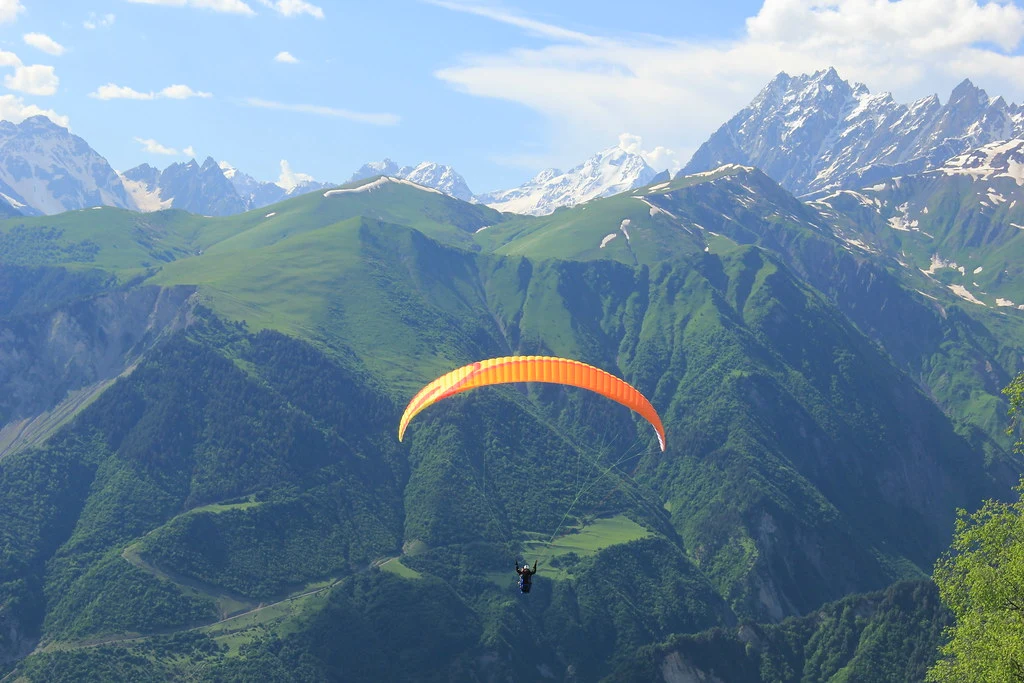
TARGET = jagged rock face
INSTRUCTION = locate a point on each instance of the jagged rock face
(253, 193)
(200, 189)
(15, 644)
(440, 177)
(44, 169)
(45, 358)
(817, 133)
(145, 174)
(609, 172)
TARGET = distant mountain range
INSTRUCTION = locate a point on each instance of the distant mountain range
(817, 133)
(607, 173)
(44, 169)
(210, 189)
(814, 134)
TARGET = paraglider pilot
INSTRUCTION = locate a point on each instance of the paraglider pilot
(525, 575)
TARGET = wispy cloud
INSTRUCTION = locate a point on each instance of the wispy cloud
(291, 8)
(111, 91)
(94, 22)
(360, 117)
(14, 109)
(189, 151)
(286, 57)
(593, 87)
(43, 42)
(226, 6)
(35, 79)
(151, 146)
(537, 28)
(9, 10)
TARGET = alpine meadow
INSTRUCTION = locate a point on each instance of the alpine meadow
(737, 399)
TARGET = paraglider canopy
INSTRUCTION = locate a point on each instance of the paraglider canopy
(532, 369)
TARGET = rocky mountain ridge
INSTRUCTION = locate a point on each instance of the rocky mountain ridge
(818, 133)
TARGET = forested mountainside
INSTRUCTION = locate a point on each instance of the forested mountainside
(236, 500)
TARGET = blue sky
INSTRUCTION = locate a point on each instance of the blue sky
(498, 90)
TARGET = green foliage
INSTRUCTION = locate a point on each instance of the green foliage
(35, 246)
(981, 579)
(133, 601)
(32, 290)
(375, 627)
(1014, 391)
(890, 635)
(92, 666)
(186, 428)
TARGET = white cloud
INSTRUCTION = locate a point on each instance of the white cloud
(660, 158)
(181, 92)
(43, 42)
(94, 22)
(375, 119)
(35, 79)
(679, 91)
(290, 179)
(189, 151)
(286, 57)
(9, 10)
(14, 109)
(536, 28)
(291, 8)
(111, 91)
(227, 6)
(151, 146)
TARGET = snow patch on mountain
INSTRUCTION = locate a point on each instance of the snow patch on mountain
(427, 174)
(1001, 159)
(622, 227)
(12, 201)
(964, 294)
(378, 184)
(144, 196)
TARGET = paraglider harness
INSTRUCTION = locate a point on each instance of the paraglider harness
(525, 576)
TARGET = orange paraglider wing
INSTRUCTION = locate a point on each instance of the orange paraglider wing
(532, 369)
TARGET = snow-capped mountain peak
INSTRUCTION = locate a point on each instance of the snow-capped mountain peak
(386, 167)
(440, 177)
(228, 169)
(608, 172)
(816, 133)
(49, 170)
